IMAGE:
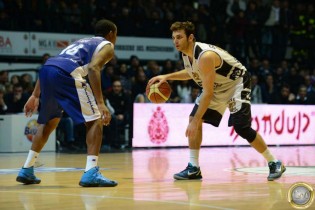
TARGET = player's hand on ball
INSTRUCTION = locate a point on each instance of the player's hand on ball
(158, 93)
(158, 79)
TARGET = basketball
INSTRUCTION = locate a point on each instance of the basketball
(158, 94)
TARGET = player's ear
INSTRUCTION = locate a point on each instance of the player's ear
(111, 36)
(191, 37)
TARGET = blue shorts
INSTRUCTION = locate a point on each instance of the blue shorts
(62, 91)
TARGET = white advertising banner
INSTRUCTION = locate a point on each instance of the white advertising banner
(14, 43)
(125, 47)
(37, 44)
(164, 125)
(17, 132)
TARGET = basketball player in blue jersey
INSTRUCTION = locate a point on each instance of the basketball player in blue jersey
(225, 83)
(61, 86)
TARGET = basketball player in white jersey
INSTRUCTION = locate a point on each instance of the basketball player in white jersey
(62, 87)
(225, 83)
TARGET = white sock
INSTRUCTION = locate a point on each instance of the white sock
(31, 158)
(194, 157)
(268, 156)
(91, 162)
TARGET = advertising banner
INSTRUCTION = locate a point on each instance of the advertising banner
(145, 48)
(37, 44)
(51, 43)
(14, 43)
(164, 125)
(17, 132)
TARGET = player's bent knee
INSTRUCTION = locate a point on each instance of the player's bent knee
(247, 133)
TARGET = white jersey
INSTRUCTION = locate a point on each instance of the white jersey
(227, 73)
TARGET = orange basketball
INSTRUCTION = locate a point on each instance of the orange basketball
(158, 94)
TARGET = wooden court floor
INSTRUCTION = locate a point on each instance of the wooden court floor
(233, 178)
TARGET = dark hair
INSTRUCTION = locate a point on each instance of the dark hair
(103, 27)
(187, 26)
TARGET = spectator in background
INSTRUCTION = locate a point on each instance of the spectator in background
(279, 77)
(107, 77)
(16, 100)
(66, 129)
(152, 69)
(311, 91)
(4, 20)
(120, 103)
(27, 83)
(167, 67)
(183, 89)
(45, 56)
(301, 97)
(140, 84)
(264, 70)
(269, 90)
(174, 98)
(15, 79)
(4, 79)
(125, 79)
(252, 30)
(133, 67)
(286, 24)
(238, 32)
(285, 97)
(253, 68)
(294, 80)
(270, 33)
(114, 62)
(194, 93)
(156, 25)
(233, 7)
(142, 98)
(125, 22)
(3, 106)
(256, 94)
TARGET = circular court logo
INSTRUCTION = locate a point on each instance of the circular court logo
(301, 195)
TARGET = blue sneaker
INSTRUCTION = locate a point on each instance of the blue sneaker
(191, 172)
(93, 178)
(276, 169)
(26, 176)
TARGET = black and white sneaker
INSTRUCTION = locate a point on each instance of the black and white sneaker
(276, 169)
(191, 172)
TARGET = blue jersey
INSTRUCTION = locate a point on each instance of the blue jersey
(77, 54)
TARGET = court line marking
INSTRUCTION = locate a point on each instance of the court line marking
(48, 169)
(291, 170)
(123, 198)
